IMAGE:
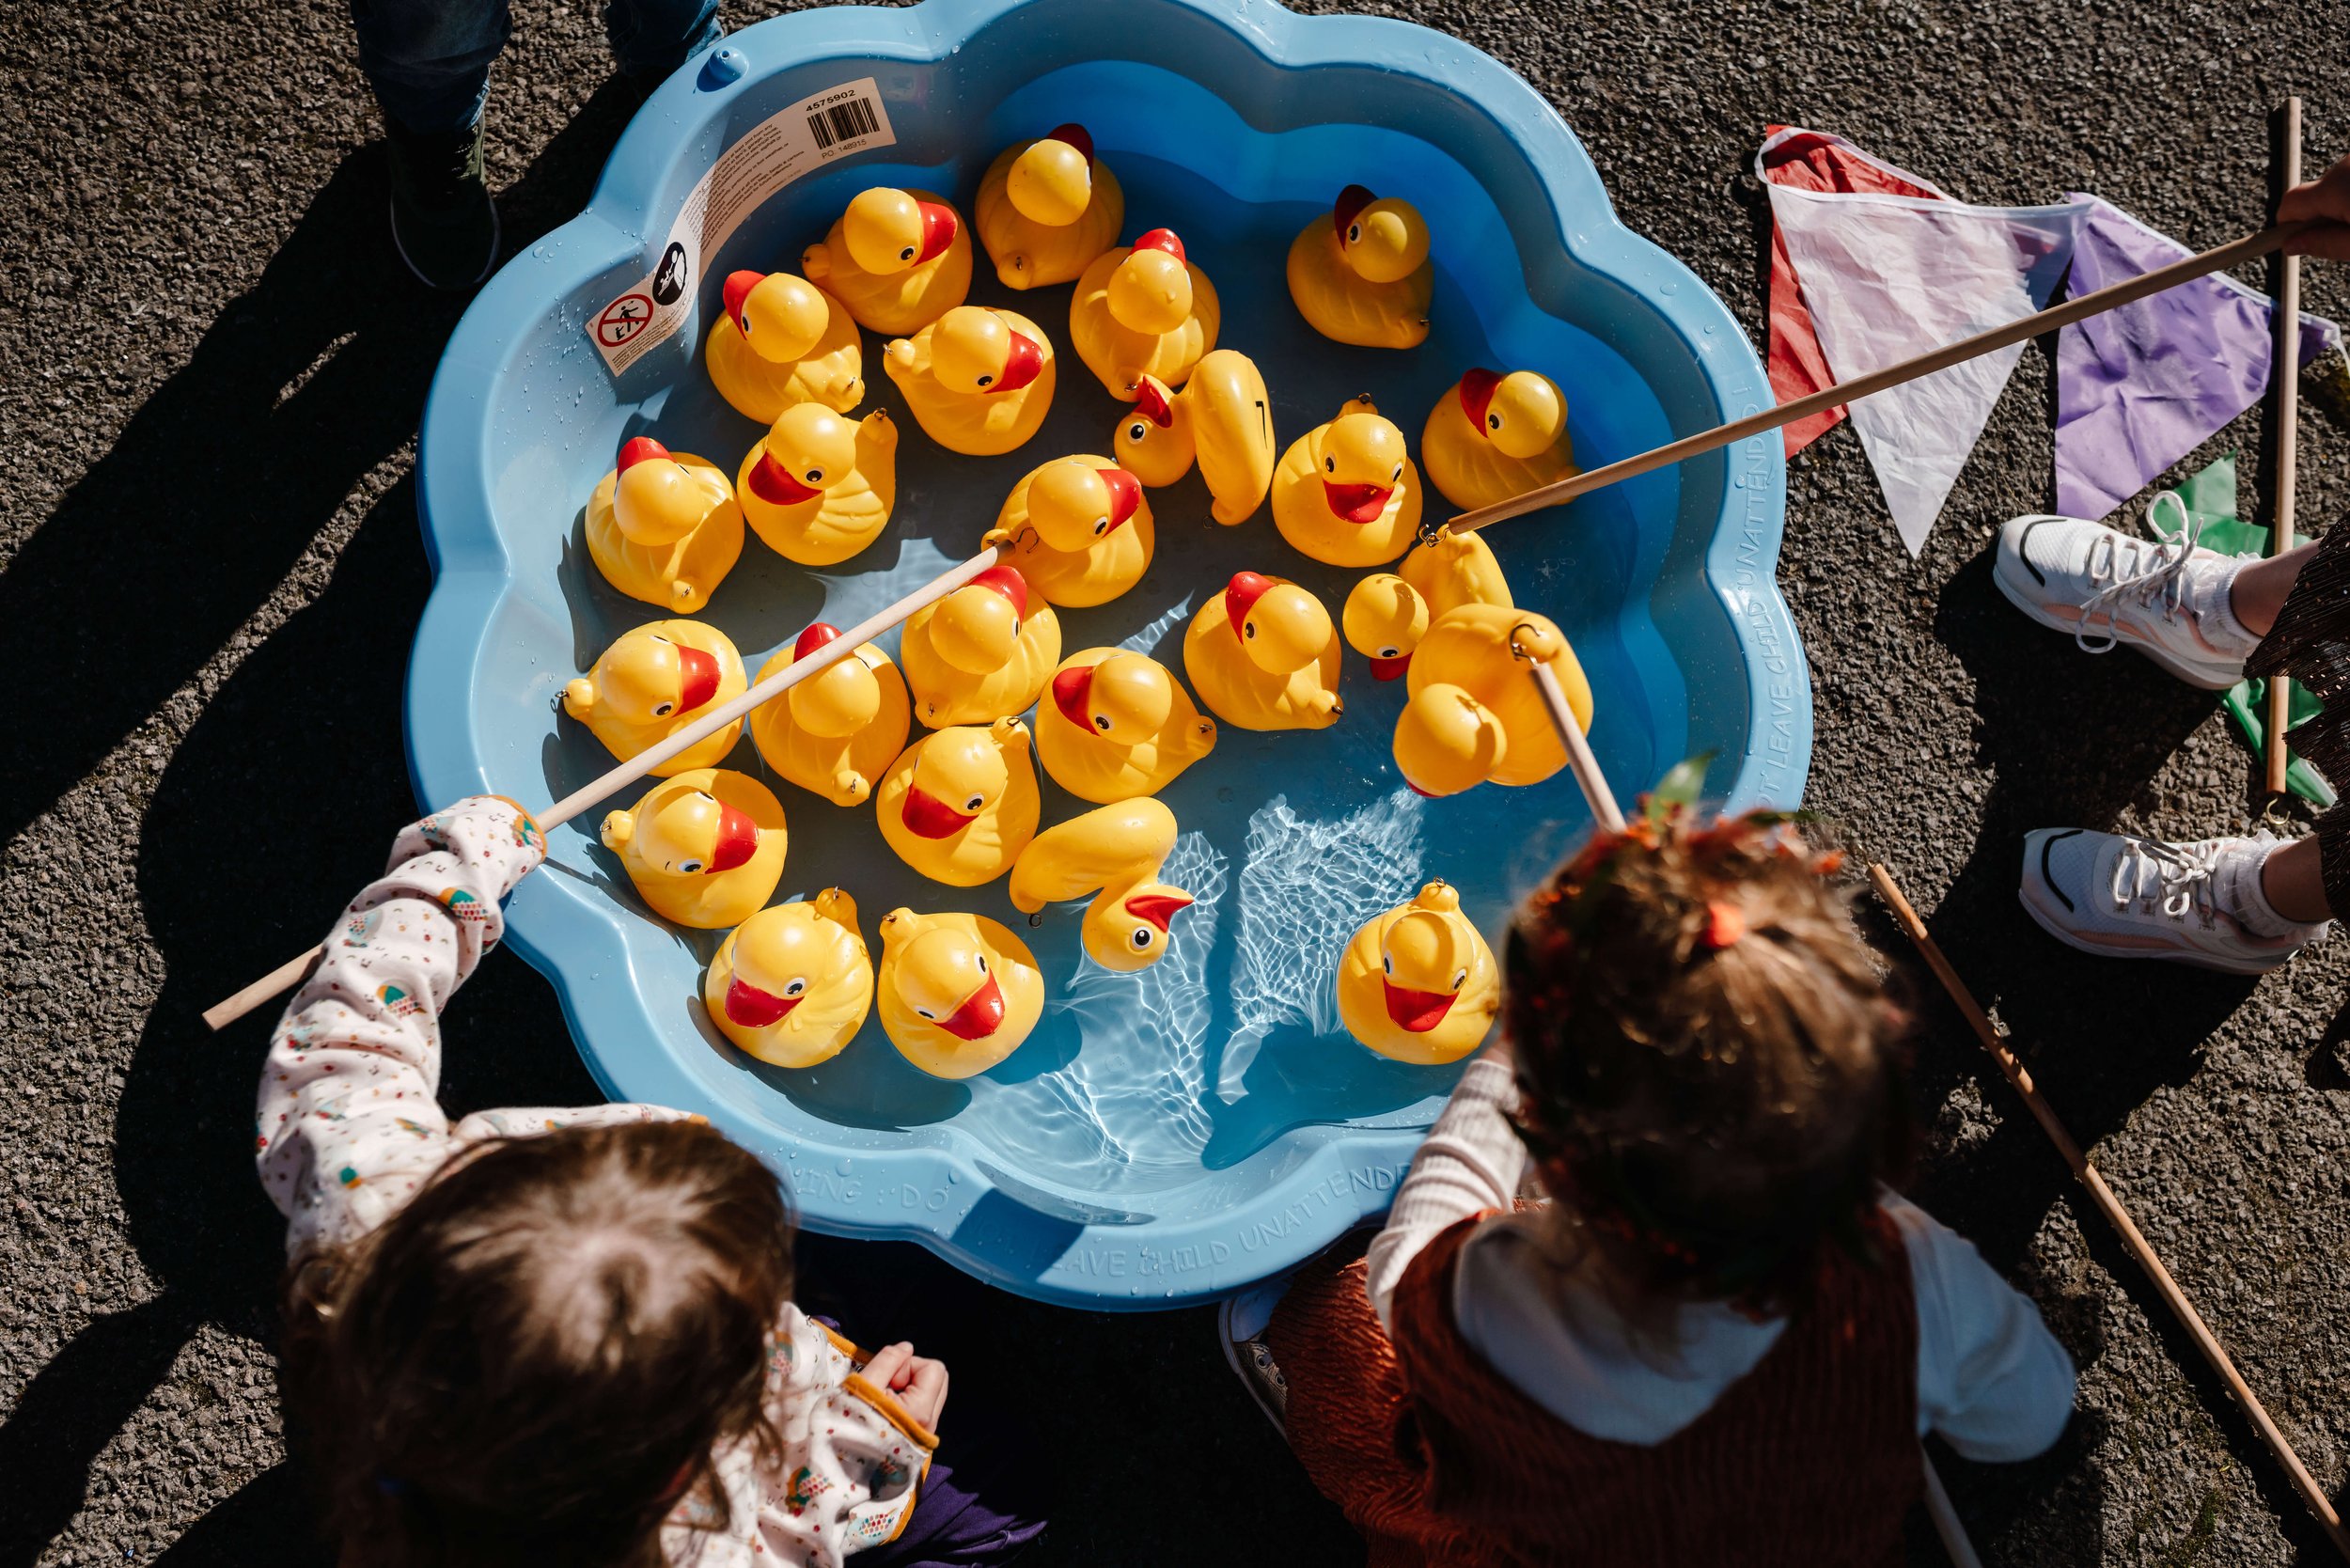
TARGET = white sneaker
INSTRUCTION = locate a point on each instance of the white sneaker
(2139, 898)
(2108, 589)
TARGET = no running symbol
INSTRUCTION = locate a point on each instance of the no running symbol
(622, 320)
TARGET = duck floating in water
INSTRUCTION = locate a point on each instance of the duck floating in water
(1494, 436)
(1361, 275)
(1474, 713)
(835, 733)
(1047, 207)
(1118, 726)
(1222, 416)
(897, 260)
(959, 993)
(653, 681)
(664, 528)
(1143, 311)
(1114, 853)
(1078, 528)
(1264, 655)
(782, 340)
(960, 805)
(1346, 493)
(1386, 615)
(979, 380)
(792, 985)
(704, 848)
(817, 487)
(981, 653)
(1418, 983)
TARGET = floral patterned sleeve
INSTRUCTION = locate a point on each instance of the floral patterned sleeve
(348, 1122)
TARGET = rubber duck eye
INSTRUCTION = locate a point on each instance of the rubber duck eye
(659, 638)
(1397, 475)
(985, 380)
(927, 1013)
(906, 255)
(689, 867)
(1390, 653)
(1330, 465)
(1101, 721)
(1248, 629)
(1142, 938)
(663, 710)
(816, 476)
(796, 987)
(975, 803)
(1101, 526)
(1354, 232)
(1493, 421)
(1135, 430)
(982, 960)
(1460, 979)
(1387, 963)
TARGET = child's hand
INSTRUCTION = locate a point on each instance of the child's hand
(919, 1382)
(2325, 202)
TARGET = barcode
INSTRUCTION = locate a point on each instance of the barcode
(842, 122)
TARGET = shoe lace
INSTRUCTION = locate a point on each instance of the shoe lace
(2123, 565)
(2178, 875)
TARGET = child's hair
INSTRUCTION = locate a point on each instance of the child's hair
(533, 1360)
(1711, 1079)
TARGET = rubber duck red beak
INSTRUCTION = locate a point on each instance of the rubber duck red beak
(697, 677)
(738, 288)
(754, 1009)
(1417, 1012)
(1007, 581)
(738, 840)
(1125, 497)
(1071, 688)
(1240, 596)
(1163, 238)
(1024, 361)
(636, 449)
(939, 225)
(1152, 405)
(1477, 396)
(926, 816)
(1157, 908)
(818, 634)
(1390, 669)
(980, 1015)
(773, 483)
(1351, 201)
(1357, 503)
(1076, 135)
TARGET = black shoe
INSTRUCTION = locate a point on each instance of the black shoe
(444, 221)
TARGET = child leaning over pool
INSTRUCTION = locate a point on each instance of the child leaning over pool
(559, 1336)
(1722, 1339)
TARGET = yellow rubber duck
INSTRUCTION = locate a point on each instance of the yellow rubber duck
(664, 528)
(1386, 615)
(792, 985)
(704, 848)
(897, 260)
(979, 380)
(1474, 713)
(981, 653)
(1264, 655)
(959, 993)
(817, 487)
(1362, 275)
(651, 683)
(1078, 529)
(1047, 207)
(1143, 311)
(1418, 983)
(960, 805)
(1346, 493)
(782, 340)
(1118, 726)
(839, 730)
(1222, 416)
(1114, 853)
(1494, 436)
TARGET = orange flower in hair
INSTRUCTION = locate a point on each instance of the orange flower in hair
(1725, 922)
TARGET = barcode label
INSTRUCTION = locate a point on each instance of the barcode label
(843, 122)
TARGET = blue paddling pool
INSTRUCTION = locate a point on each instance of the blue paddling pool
(1172, 1136)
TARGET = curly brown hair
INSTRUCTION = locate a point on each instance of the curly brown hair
(534, 1360)
(1712, 1078)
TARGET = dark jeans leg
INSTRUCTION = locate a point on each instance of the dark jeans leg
(653, 38)
(429, 60)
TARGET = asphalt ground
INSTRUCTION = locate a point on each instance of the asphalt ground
(210, 371)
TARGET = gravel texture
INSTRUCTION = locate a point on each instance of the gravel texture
(209, 569)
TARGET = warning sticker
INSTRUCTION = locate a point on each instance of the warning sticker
(805, 136)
